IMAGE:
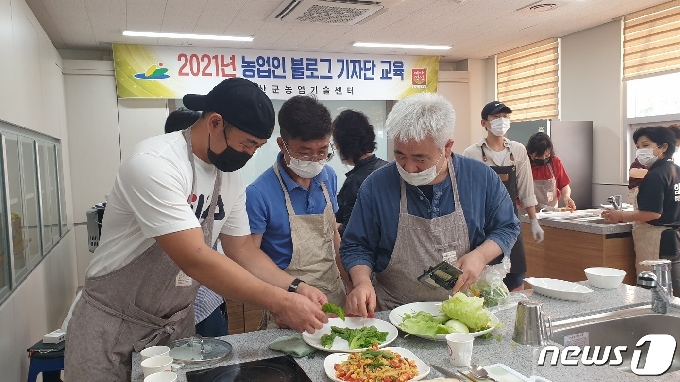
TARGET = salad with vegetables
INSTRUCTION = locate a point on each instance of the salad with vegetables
(459, 314)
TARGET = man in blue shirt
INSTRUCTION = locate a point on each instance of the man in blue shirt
(292, 205)
(428, 206)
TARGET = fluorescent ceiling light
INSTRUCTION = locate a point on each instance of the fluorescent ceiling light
(187, 36)
(400, 46)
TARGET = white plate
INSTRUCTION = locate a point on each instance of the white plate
(397, 316)
(559, 289)
(337, 358)
(341, 345)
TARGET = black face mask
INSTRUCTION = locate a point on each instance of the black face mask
(541, 162)
(228, 160)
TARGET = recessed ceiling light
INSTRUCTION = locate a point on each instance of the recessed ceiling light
(400, 46)
(190, 36)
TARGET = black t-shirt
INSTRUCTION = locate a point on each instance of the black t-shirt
(660, 192)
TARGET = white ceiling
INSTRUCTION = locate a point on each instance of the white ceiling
(474, 28)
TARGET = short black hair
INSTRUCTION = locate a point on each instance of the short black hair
(353, 134)
(658, 135)
(539, 143)
(304, 118)
(181, 119)
(675, 129)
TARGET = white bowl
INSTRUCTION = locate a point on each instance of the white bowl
(605, 278)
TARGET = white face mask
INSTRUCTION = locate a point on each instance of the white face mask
(500, 126)
(646, 156)
(419, 178)
(306, 169)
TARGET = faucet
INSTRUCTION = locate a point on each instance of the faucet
(615, 201)
(659, 281)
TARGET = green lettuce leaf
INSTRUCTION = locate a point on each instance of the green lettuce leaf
(327, 340)
(424, 324)
(333, 309)
(468, 310)
(359, 338)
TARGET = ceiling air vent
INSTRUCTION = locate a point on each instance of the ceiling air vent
(334, 12)
(542, 6)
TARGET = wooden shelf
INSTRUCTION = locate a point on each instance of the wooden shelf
(564, 254)
(243, 318)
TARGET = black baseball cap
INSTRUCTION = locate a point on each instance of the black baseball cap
(493, 108)
(241, 103)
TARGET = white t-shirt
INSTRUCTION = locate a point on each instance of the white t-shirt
(151, 196)
(498, 156)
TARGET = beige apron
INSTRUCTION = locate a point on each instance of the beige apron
(147, 302)
(546, 190)
(313, 259)
(647, 240)
(420, 244)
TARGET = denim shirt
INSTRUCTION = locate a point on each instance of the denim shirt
(372, 229)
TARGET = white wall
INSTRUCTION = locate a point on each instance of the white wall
(455, 87)
(591, 88)
(32, 97)
(140, 119)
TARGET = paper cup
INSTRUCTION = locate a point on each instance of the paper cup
(460, 348)
(154, 351)
(163, 376)
(156, 365)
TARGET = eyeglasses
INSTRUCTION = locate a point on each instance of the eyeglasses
(322, 158)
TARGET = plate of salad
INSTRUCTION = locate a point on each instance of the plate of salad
(434, 320)
(351, 335)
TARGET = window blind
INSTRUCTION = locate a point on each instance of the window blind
(651, 40)
(527, 80)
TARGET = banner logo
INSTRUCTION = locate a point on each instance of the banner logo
(419, 78)
(154, 72)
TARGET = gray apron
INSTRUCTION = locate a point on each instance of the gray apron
(508, 175)
(420, 244)
(145, 303)
(313, 259)
(546, 190)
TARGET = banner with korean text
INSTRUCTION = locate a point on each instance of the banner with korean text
(144, 71)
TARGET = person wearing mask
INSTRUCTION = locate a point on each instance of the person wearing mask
(354, 139)
(426, 204)
(210, 309)
(510, 161)
(637, 171)
(658, 197)
(292, 205)
(170, 201)
(550, 179)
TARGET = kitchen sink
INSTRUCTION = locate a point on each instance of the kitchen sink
(619, 328)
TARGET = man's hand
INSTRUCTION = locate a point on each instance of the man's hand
(315, 295)
(536, 230)
(299, 313)
(472, 266)
(569, 202)
(361, 301)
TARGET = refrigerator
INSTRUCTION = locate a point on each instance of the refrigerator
(573, 144)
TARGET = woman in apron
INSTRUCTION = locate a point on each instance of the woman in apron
(658, 198)
(550, 179)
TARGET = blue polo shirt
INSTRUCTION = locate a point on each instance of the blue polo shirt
(266, 206)
(372, 229)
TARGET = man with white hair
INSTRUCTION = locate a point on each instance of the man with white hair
(428, 202)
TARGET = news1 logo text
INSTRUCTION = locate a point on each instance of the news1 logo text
(658, 359)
